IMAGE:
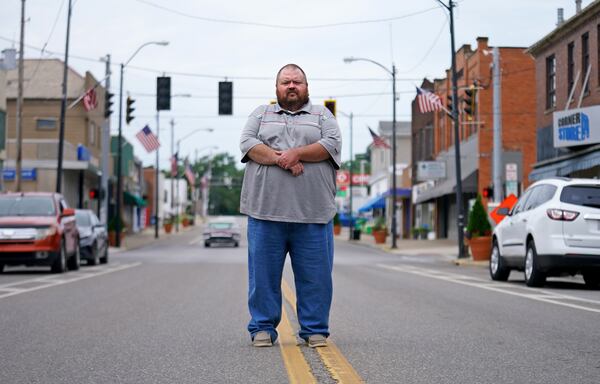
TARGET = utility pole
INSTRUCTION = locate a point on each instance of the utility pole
(459, 202)
(177, 165)
(497, 171)
(157, 178)
(394, 190)
(19, 156)
(105, 151)
(63, 109)
(350, 226)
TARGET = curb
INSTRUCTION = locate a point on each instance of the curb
(471, 263)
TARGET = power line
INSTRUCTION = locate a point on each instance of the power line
(280, 26)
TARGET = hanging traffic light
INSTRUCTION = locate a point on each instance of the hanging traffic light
(107, 103)
(163, 93)
(93, 194)
(330, 104)
(225, 98)
(488, 192)
(450, 104)
(470, 101)
(129, 110)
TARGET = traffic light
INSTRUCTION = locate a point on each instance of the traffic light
(129, 110)
(163, 93)
(107, 103)
(449, 104)
(470, 101)
(330, 104)
(93, 194)
(488, 192)
(225, 98)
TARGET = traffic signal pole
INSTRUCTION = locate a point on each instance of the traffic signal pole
(497, 171)
(459, 201)
(119, 161)
(103, 198)
(63, 109)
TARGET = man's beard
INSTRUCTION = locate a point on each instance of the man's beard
(292, 105)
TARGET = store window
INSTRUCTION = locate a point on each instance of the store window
(44, 124)
(550, 82)
(585, 61)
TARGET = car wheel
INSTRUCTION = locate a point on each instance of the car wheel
(60, 264)
(104, 258)
(236, 244)
(75, 260)
(534, 277)
(592, 279)
(1, 268)
(498, 269)
(95, 260)
(206, 244)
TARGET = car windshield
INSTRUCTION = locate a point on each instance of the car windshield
(220, 225)
(585, 195)
(26, 206)
(82, 219)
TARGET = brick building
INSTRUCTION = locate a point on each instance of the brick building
(567, 64)
(476, 131)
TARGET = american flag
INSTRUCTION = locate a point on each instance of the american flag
(428, 102)
(189, 173)
(89, 100)
(174, 165)
(377, 140)
(148, 139)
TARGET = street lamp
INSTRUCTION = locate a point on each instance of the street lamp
(120, 138)
(176, 176)
(394, 192)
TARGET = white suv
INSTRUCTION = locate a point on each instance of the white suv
(553, 229)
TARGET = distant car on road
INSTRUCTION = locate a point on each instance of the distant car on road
(553, 229)
(38, 229)
(93, 238)
(222, 231)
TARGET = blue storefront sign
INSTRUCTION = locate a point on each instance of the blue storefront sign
(27, 174)
(576, 127)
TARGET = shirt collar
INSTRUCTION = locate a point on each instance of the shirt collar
(306, 108)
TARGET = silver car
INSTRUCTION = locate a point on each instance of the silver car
(222, 231)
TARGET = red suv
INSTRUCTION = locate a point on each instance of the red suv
(38, 228)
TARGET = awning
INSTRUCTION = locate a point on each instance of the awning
(131, 199)
(374, 203)
(567, 166)
(400, 192)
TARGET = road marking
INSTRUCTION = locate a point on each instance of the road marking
(336, 363)
(536, 294)
(298, 370)
(47, 282)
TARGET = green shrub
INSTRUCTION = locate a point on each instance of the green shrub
(479, 224)
(379, 224)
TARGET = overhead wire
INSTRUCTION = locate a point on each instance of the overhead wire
(281, 26)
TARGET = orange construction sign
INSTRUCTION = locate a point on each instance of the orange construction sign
(509, 202)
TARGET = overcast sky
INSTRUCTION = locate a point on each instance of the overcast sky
(248, 41)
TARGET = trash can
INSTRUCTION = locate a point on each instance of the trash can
(356, 234)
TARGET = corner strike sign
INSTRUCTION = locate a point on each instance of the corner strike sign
(577, 127)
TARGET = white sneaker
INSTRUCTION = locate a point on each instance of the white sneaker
(262, 339)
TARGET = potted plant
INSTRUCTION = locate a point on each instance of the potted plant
(112, 230)
(185, 221)
(379, 230)
(168, 224)
(479, 232)
(337, 226)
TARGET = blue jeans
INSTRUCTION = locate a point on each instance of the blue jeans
(311, 252)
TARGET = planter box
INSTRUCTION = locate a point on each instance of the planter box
(337, 229)
(481, 247)
(379, 236)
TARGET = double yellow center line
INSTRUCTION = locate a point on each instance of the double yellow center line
(297, 367)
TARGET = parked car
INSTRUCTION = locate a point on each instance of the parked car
(553, 229)
(38, 229)
(222, 231)
(93, 237)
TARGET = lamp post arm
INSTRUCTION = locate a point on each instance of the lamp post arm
(140, 48)
(372, 61)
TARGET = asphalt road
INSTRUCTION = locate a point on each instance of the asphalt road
(175, 312)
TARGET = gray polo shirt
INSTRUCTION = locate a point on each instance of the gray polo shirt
(272, 193)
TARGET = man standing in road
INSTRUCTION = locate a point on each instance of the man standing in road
(292, 150)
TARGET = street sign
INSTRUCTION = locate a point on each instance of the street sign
(509, 202)
(431, 170)
(512, 187)
(512, 172)
(29, 174)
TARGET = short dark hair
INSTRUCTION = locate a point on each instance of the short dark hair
(291, 65)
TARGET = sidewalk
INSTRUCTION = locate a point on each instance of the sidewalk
(446, 249)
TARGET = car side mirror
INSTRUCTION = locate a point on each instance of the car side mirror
(68, 212)
(504, 211)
